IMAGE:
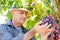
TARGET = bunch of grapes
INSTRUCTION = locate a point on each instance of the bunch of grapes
(50, 20)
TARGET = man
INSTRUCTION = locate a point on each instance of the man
(14, 30)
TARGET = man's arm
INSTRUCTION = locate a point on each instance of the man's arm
(29, 34)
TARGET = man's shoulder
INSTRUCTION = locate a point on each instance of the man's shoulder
(3, 26)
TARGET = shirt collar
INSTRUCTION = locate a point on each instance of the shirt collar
(10, 24)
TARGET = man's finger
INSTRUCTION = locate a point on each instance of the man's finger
(45, 25)
(40, 22)
(48, 31)
(48, 26)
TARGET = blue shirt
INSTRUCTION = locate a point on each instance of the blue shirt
(11, 32)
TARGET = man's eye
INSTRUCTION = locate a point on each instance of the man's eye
(26, 13)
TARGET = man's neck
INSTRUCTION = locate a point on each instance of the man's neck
(17, 24)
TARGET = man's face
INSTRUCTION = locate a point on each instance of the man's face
(20, 16)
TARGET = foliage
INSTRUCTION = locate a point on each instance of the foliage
(37, 8)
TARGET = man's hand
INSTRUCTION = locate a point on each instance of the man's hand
(43, 29)
(39, 27)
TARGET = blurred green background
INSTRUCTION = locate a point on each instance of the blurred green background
(37, 8)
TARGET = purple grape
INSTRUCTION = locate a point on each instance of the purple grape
(50, 20)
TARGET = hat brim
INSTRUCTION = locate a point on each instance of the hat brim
(19, 9)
